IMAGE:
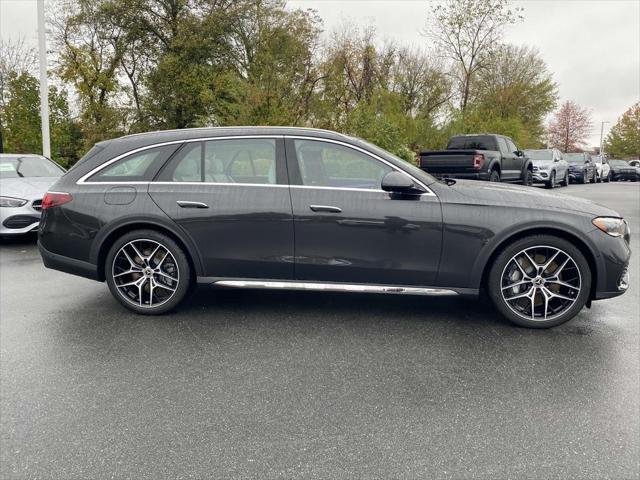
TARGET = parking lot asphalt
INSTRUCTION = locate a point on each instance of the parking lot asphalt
(261, 384)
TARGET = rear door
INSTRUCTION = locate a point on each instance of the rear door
(231, 197)
(347, 229)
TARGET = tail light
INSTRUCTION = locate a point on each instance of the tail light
(478, 161)
(55, 199)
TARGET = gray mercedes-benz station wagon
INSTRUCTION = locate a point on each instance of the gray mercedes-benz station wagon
(273, 207)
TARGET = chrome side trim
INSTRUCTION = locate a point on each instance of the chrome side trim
(334, 287)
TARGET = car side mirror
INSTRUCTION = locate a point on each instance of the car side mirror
(397, 182)
(556, 159)
(519, 153)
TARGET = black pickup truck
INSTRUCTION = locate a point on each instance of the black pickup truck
(480, 157)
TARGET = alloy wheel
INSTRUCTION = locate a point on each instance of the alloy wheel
(145, 273)
(540, 283)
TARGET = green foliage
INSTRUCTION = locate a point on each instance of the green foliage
(21, 116)
(623, 140)
(137, 65)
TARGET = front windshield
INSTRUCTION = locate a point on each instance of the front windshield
(574, 158)
(539, 154)
(28, 166)
(619, 163)
(410, 168)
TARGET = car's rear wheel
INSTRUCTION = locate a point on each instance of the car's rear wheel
(148, 272)
(539, 281)
(565, 181)
(494, 176)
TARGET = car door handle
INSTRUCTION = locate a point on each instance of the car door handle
(325, 208)
(187, 204)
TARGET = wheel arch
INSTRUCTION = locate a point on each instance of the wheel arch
(571, 237)
(109, 237)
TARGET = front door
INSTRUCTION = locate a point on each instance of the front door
(231, 196)
(349, 230)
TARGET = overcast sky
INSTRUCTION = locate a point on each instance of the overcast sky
(591, 46)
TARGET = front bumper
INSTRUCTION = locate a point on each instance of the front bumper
(577, 175)
(20, 220)
(541, 176)
(624, 176)
(613, 265)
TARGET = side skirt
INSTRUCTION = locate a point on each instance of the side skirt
(335, 287)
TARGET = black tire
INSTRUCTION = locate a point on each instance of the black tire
(565, 181)
(494, 176)
(593, 178)
(584, 178)
(495, 281)
(552, 180)
(608, 178)
(178, 263)
(528, 178)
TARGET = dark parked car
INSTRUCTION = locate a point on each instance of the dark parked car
(549, 167)
(582, 169)
(623, 170)
(267, 207)
(479, 157)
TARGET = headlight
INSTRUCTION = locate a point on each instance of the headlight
(616, 227)
(12, 202)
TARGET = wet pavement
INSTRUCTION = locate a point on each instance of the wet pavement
(260, 384)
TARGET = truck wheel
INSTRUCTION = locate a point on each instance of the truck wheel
(528, 178)
(494, 176)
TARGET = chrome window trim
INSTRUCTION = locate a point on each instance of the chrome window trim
(83, 180)
(365, 152)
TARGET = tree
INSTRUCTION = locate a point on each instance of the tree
(517, 89)
(569, 127)
(467, 32)
(623, 140)
(15, 59)
(22, 114)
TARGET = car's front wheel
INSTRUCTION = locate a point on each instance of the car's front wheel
(148, 272)
(539, 281)
(552, 180)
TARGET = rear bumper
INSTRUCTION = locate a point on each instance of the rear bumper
(68, 265)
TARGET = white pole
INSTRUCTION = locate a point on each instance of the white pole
(602, 139)
(44, 89)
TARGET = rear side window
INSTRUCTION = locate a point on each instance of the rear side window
(139, 166)
(241, 160)
(471, 143)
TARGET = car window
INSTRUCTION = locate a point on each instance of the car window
(241, 160)
(471, 143)
(28, 166)
(511, 146)
(503, 146)
(187, 164)
(325, 164)
(140, 166)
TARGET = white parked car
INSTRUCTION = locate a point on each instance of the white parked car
(603, 169)
(549, 167)
(24, 179)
